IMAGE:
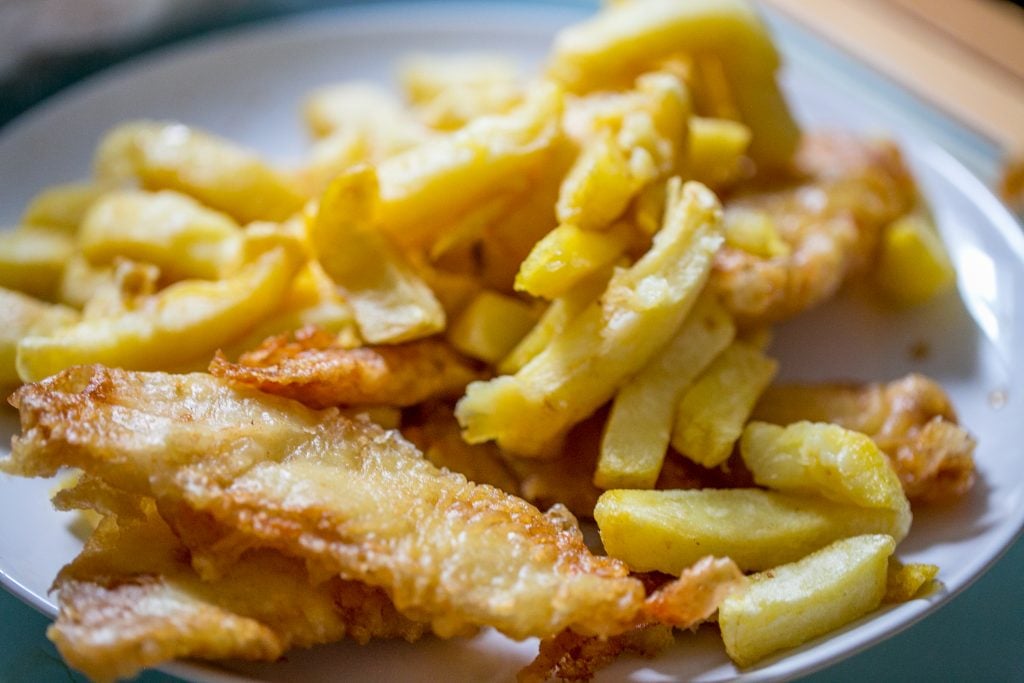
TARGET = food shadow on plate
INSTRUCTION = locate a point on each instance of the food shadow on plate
(949, 523)
(855, 337)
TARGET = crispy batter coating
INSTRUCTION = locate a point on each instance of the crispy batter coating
(132, 600)
(348, 497)
(572, 657)
(683, 603)
(318, 371)
(831, 214)
(911, 419)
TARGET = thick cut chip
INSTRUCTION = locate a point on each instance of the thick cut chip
(821, 459)
(913, 265)
(906, 581)
(176, 325)
(716, 150)
(32, 260)
(391, 303)
(636, 437)
(314, 369)
(170, 230)
(555, 319)
(313, 301)
(131, 600)
(63, 206)
(568, 255)
(788, 605)
(23, 316)
(425, 189)
(582, 367)
(234, 470)
(219, 173)
(450, 91)
(911, 419)
(600, 184)
(363, 111)
(669, 530)
(627, 141)
(712, 412)
(624, 40)
(491, 326)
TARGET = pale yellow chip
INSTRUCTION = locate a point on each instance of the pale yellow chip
(789, 605)
(602, 347)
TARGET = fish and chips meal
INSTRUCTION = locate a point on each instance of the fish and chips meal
(372, 395)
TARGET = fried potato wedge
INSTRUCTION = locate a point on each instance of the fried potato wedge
(821, 459)
(178, 324)
(710, 416)
(428, 187)
(629, 38)
(365, 112)
(789, 605)
(218, 173)
(323, 488)
(911, 419)
(913, 266)
(716, 150)
(32, 260)
(906, 581)
(636, 436)
(450, 91)
(555, 319)
(315, 370)
(491, 325)
(63, 206)
(391, 303)
(23, 316)
(170, 230)
(567, 255)
(599, 349)
(669, 530)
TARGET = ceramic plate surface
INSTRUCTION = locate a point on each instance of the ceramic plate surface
(248, 85)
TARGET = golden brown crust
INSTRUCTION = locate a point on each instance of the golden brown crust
(684, 603)
(345, 496)
(132, 600)
(314, 369)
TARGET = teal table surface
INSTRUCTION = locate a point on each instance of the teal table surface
(978, 636)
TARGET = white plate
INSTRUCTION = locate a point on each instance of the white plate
(248, 84)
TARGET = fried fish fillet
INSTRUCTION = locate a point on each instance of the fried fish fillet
(234, 470)
(315, 369)
(132, 600)
(911, 419)
(685, 603)
(829, 215)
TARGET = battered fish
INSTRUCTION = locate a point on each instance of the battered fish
(685, 603)
(132, 600)
(315, 369)
(911, 419)
(235, 470)
(830, 216)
